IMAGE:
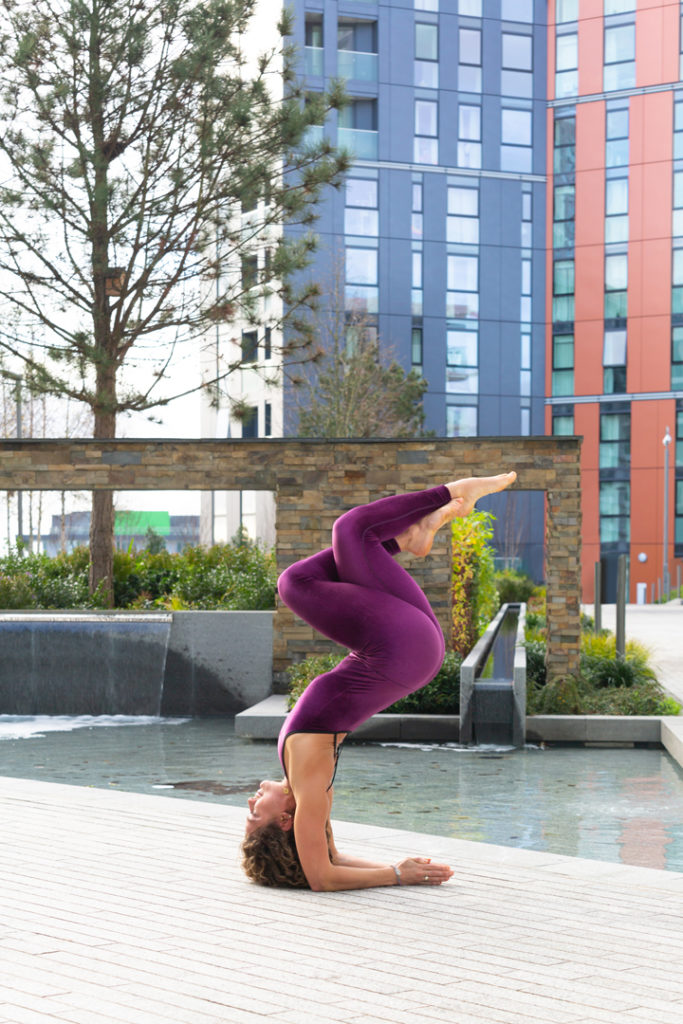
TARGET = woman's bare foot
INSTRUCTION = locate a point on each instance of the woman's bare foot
(475, 487)
(419, 537)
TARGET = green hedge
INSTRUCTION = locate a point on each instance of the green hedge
(237, 576)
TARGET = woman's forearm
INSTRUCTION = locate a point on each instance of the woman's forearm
(344, 860)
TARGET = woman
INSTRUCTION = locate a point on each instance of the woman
(357, 595)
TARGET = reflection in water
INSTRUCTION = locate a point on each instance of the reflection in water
(605, 804)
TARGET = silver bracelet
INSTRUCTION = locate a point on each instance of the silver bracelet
(397, 872)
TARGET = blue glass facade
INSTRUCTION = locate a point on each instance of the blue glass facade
(440, 230)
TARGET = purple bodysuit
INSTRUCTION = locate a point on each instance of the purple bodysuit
(357, 595)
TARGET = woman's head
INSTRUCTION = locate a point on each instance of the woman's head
(269, 854)
(269, 857)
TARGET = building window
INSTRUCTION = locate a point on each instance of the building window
(268, 343)
(469, 64)
(620, 57)
(313, 52)
(619, 6)
(614, 362)
(566, 64)
(677, 226)
(426, 55)
(416, 210)
(563, 365)
(361, 216)
(526, 235)
(616, 146)
(517, 10)
(361, 280)
(462, 222)
(469, 136)
(462, 363)
(677, 358)
(358, 128)
(249, 272)
(472, 8)
(563, 424)
(427, 5)
(566, 10)
(563, 291)
(564, 154)
(249, 346)
(357, 50)
(615, 501)
(616, 284)
(250, 421)
(462, 297)
(426, 143)
(461, 421)
(615, 440)
(267, 420)
(678, 524)
(516, 73)
(515, 136)
(563, 216)
(616, 210)
(416, 351)
(416, 283)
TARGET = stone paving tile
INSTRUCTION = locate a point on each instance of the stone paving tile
(130, 909)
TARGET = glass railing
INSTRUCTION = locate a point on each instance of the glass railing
(313, 135)
(359, 66)
(363, 144)
(313, 60)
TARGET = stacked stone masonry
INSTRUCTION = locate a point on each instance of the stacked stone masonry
(315, 481)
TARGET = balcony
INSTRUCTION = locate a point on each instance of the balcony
(362, 67)
(361, 142)
(313, 60)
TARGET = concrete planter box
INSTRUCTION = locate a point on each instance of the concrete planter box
(122, 663)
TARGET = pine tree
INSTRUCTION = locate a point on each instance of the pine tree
(132, 134)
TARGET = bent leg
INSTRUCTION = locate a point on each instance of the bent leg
(360, 542)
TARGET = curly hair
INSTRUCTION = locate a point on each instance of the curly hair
(269, 857)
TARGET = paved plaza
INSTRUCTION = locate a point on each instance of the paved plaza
(118, 907)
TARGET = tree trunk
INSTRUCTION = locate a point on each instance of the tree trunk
(102, 516)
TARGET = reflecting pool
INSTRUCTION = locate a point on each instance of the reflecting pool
(606, 804)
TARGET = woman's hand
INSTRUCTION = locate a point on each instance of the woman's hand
(423, 871)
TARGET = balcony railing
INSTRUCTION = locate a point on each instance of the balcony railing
(359, 66)
(362, 143)
(313, 60)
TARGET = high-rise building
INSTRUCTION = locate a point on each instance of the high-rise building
(512, 226)
(615, 262)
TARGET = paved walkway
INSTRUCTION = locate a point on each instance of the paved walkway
(659, 627)
(117, 907)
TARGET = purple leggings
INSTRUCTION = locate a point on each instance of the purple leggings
(357, 595)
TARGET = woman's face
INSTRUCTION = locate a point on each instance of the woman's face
(273, 802)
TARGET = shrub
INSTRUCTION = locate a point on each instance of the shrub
(240, 575)
(605, 685)
(439, 697)
(560, 697)
(473, 587)
(535, 661)
(514, 586)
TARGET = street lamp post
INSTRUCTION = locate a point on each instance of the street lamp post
(666, 585)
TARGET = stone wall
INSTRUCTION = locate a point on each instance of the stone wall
(317, 480)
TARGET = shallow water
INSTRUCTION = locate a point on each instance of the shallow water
(606, 804)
